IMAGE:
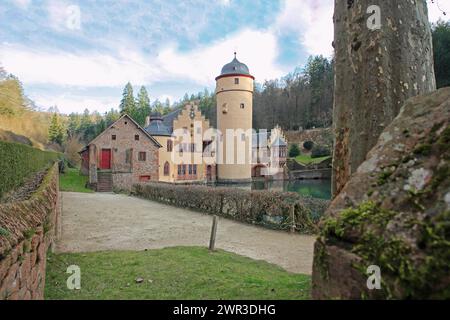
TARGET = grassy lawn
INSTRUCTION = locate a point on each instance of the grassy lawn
(172, 273)
(73, 181)
(306, 159)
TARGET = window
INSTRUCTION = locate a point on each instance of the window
(195, 169)
(169, 145)
(113, 137)
(243, 137)
(136, 137)
(179, 169)
(126, 122)
(166, 169)
(236, 80)
(183, 169)
(190, 169)
(224, 108)
(144, 178)
(128, 154)
(242, 106)
(142, 156)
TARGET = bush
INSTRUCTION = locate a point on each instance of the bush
(18, 161)
(294, 151)
(308, 145)
(267, 208)
(320, 151)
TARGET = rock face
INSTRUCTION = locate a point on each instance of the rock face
(393, 213)
(376, 71)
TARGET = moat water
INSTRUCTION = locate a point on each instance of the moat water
(314, 188)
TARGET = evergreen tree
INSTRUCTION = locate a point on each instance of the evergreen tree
(441, 47)
(111, 117)
(143, 106)
(55, 130)
(128, 104)
(294, 151)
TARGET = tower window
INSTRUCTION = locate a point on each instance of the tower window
(142, 156)
(113, 137)
(242, 106)
(236, 80)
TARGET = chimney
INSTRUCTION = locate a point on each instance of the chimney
(147, 121)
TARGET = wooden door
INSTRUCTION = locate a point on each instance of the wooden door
(105, 159)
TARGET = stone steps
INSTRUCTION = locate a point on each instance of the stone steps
(105, 182)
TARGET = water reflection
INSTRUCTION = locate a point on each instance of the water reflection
(315, 188)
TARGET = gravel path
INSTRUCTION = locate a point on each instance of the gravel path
(99, 221)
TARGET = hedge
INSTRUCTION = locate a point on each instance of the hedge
(275, 210)
(18, 162)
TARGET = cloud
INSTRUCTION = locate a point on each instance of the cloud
(312, 20)
(224, 2)
(68, 103)
(90, 69)
(258, 49)
(23, 4)
(95, 69)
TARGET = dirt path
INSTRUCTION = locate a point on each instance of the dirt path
(95, 222)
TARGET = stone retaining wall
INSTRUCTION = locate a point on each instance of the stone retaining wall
(27, 230)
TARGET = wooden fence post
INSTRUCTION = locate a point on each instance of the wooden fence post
(293, 218)
(212, 241)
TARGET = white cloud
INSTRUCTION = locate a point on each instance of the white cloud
(89, 69)
(312, 20)
(77, 103)
(224, 2)
(93, 69)
(258, 49)
(23, 4)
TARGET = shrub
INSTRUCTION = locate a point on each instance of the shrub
(320, 151)
(308, 145)
(294, 151)
(267, 208)
(18, 161)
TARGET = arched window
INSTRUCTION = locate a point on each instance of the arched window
(166, 169)
(169, 145)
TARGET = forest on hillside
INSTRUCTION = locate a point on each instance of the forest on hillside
(303, 99)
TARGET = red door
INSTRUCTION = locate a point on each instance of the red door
(105, 159)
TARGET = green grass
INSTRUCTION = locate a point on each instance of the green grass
(73, 181)
(172, 273)
(306, 159)
(19, 162)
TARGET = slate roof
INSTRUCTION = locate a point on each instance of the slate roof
(235, 67)
(158, 128)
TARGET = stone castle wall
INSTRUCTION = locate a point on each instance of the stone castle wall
(27, 230)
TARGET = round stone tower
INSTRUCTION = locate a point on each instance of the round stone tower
(234, 96)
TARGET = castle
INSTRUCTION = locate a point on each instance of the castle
(182, 147)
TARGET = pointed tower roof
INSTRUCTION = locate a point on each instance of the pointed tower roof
(235, 67)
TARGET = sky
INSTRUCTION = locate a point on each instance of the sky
(78, 54)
